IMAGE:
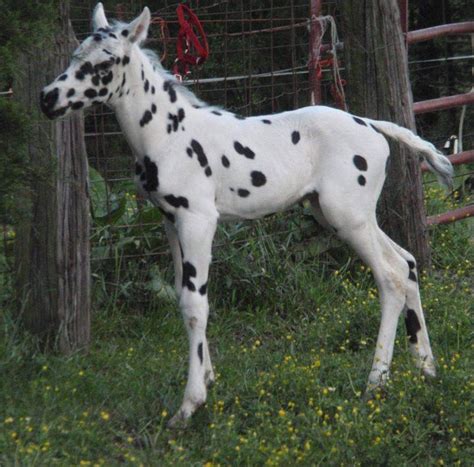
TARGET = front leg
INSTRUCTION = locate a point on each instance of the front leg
(195, 234)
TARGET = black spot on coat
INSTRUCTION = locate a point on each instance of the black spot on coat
(360, 162)
(203, 289)
(244, 150)
(225, 162)
(189, 271)
(168, 86)
(268, 122)
(412, 276)
(177, 201)
(197, 148)
(258, 178)
(359, 121)
(376, 129)
(199, 351)
(107, 78)
(413, 326)
(243, 193)
(174, 122)
(71, 92)
(90, 93)
(147, 117)
(176, 119)
(125, 59)
(295, 137)
(87, 68)
(150, 175)
(362, 181)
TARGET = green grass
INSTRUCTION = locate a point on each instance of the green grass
(292, 339)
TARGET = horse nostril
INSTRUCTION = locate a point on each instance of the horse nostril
(49, 100)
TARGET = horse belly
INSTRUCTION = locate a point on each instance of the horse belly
(282, 189)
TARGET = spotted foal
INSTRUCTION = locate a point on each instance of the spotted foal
(200, 164)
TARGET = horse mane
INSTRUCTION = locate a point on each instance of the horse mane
(180, 88)
(152, 56)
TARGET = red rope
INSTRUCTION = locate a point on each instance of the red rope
(190, 50)
(165, 35)
(336, 86)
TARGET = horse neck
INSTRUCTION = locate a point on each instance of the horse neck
(137, 98)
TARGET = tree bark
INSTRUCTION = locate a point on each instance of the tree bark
(379, 87)
(52, 248)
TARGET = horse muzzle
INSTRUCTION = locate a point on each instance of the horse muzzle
(48, 103)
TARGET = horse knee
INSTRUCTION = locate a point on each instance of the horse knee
(194, 310)
(394, 281)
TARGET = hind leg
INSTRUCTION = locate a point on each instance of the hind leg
(173, 240)
(390, 272)
(359, 229)
(417, 330)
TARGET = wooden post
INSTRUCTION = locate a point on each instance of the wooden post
(52, 247)
(378, 87)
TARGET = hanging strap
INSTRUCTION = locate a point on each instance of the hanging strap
(191, 48)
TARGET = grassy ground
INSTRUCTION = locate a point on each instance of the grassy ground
(292, 340)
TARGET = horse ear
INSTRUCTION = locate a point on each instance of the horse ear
(139, 26)
(98, 17)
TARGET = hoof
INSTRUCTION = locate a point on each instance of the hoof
(182, 417)
(429, 371)
(372, 390)
(377, 380)
(209, 379)
(179, 422)
(427, 366)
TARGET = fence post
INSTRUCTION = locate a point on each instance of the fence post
(378, 87)
(52, 263)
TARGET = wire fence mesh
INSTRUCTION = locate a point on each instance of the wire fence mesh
(258, 64)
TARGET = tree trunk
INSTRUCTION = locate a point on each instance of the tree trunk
(379, 87)
(52, 247)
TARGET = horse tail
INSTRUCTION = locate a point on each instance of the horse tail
(437, 162)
